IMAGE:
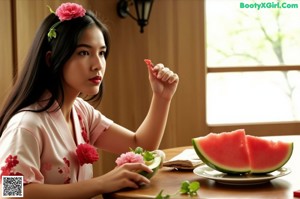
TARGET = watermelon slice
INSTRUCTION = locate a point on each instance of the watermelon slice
(237, 153)
(267, 155)
(225, 152)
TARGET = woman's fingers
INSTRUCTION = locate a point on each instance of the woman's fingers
(173, 78)
(165, 74)
(134, 180)
(137, 167)
(131, 173)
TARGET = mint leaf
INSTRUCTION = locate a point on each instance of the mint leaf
(160, 196)
(148, 156)
(189, 188)
(193, 187)
(184, 187)
(139, 150)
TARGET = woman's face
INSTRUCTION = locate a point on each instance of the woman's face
(84, 71)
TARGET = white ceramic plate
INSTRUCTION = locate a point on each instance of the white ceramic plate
(246, 179)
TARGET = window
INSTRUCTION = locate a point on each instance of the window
(253, 61)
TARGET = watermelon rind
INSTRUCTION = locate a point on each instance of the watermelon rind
(222, 168)
(154, 166)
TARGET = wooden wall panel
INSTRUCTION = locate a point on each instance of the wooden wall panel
(176, 37)
(173, 37)
(6, 59)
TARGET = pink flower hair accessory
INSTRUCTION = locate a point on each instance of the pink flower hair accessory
(68, 11)
(86, 154)
(65, 12)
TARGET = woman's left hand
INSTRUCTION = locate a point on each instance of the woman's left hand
(163, 81)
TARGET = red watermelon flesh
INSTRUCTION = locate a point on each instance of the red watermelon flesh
(267, 155)
(237, 153)
(226, 152)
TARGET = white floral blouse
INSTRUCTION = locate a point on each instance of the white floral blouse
(40, 147)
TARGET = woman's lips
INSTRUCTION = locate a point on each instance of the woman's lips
(96, 80)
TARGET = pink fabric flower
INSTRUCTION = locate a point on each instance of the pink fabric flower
(129, 157)
(8, 169)
(65, 171)
(68, 11)
(86, 154)
(12, 161)
(83, 132)
(46, 167)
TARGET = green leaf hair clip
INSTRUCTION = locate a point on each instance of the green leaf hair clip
(52, 31)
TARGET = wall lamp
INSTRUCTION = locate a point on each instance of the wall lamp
(142, 8)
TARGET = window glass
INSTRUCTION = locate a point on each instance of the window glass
(247, 97)
(256, 33)
(239, 33)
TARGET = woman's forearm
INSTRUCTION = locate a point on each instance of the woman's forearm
(151, 131)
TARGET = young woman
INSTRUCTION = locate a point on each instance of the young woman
(48, 133)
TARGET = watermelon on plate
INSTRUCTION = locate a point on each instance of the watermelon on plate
(237, 153)
(225, 152)
(267, 155)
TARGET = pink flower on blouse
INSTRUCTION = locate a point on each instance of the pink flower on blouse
(86, 154)
(46, 167)
(8, 169)
(129, 157)
(65, 171)
(68, 11)
(83, 130)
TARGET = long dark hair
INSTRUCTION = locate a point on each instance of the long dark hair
(38, 75)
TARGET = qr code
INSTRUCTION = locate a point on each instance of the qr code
(12, 186)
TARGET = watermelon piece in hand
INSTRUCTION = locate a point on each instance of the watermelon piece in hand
(148, 62)
(150, 65)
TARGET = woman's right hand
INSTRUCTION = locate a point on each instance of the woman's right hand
(124, 176)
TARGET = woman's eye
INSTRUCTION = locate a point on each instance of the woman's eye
(83, 53)
(102, 53)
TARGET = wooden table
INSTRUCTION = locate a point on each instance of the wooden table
(169, 180)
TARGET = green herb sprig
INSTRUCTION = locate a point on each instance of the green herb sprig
(187, 187)
(160, 196)
(147, 155)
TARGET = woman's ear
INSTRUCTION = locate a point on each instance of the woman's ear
(48, 58)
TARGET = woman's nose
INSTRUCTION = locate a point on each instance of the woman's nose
(97, 63)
